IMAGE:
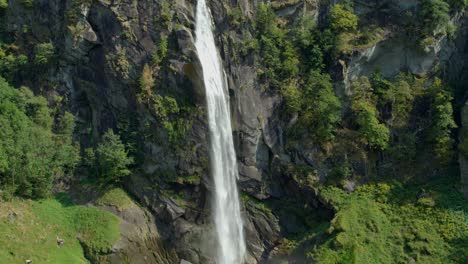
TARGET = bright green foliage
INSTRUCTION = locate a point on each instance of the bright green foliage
(434, 14)
(376, 134)
(161, 53)
(164, 106)
(33, 233)
(117, 198)
(399, 97)
(176, 130)
(319, 108)
(10, 62)
(458, 4)
(392, 223)
(110, 161)
(442, 122)
(342, 20)
(278, 55)
(308, 40)
(293, 98)
(33, 155)
(3, 4)
(236, 16)
(166, 13)
(44, 53)
(119, 62)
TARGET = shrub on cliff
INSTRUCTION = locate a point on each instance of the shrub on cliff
(44, 53)
(109, 162)
(318, 107)
(375, 133)
(342, 19)
(434, 14)
(442, 122)
(279, 58)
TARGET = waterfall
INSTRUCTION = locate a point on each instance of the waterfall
(227, 215)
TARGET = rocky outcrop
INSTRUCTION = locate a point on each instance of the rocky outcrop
(139, 240)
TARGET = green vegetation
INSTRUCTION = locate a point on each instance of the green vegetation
(166, 13)
(365, 110)
(442, 122)
(109, 162)
(279, 59)
(44, 53)
(434, 15)
(146, 83)
(115, 197)
(394, 223)
(236, 17)
(31, 230)
(119, 62)
(161, 52)
(342, 19)
(319, 108)
(3, 4)
(29, 167)
(11, 61)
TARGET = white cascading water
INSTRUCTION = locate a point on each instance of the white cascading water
(227, 214)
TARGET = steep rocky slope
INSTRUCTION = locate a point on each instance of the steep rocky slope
(102, 47)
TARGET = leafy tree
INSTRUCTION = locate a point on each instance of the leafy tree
(434, 14)
(3, 4)
(10, 61)
(164, 106)
(458, 4)
(307, 39)
(44, 53)
(109, 161)
(32, 155)
(399, 98)
(278, 55)
(342, 19)
(442, 121)
(318, 107)
(160, 54)
(376, 134)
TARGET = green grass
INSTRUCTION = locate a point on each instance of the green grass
(395, 222)
(33, 233)
(117, 198)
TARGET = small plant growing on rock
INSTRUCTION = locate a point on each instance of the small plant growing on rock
(44, 53)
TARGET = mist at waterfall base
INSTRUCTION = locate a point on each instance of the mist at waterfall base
(227, 214)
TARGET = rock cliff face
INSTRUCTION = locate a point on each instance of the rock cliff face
(103, 46)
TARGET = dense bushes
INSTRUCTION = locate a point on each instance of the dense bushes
(10, 61)
(33, 156)
(366, 115)
(396, 223)
(440, 132)
(434, 14)
(279, 59)
(342, 19)
(318, 107)
(44, 53)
